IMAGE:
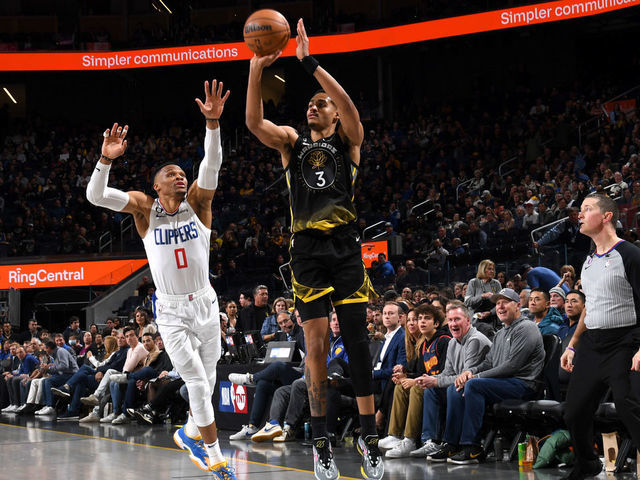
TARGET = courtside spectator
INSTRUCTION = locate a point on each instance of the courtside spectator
(548, 318)
(509, 371)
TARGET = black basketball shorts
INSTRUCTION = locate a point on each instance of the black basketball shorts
(327, 267)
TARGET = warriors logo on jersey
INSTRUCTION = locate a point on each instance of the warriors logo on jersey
(320, 177)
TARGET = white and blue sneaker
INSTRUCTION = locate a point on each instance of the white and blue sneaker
(193, 446)
(271, 430)
(222, 471)
(244, 434)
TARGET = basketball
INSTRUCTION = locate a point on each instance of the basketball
(266, 31)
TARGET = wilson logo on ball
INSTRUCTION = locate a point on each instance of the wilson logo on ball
(257, 28)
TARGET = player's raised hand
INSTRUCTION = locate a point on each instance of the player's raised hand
(265, 60)
(302, 41)
(114, 143)
(213, 100)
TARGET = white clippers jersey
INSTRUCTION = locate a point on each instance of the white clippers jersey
(177, 246)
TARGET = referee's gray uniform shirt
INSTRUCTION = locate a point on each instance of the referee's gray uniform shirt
(610, 281)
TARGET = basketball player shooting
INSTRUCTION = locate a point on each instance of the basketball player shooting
(175, 230)
(326, 263)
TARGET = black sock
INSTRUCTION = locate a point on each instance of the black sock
(368, 425)
(319, 426)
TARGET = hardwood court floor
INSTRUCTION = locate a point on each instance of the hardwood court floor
(44, 448)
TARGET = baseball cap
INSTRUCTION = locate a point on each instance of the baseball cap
(525, 268)
(507, 293)
(559, 291)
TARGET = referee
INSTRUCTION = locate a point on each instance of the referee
(608, 335)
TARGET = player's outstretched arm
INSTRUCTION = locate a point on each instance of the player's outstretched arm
(349, 116)
(204, 187)
(270, 134)
(98, 193)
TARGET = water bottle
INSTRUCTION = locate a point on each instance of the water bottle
(307, 431)
(497, 449)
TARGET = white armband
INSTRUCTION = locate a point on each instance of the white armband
(99, 194)
(210, 165)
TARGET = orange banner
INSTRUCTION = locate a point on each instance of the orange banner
(74, 274)
(371, 250)
(351, 42)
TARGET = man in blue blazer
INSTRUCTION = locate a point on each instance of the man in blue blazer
(391, 354)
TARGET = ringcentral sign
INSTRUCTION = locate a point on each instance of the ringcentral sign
(68, 274)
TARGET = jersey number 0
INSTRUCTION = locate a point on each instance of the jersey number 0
(181, 257)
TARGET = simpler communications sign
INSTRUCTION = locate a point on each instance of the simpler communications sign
(70, 274)
(351, 42)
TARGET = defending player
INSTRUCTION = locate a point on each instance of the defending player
(175, 230)
(326, 261)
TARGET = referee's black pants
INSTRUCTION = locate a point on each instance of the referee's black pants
(603, 359)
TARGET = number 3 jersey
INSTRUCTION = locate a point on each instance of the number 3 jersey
(321, 177)
(177, 246)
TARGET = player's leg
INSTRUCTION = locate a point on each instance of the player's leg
(352, 291)
(206, 328)
(179, 344)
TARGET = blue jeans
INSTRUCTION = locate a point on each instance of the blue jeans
(81, 383)
(56, 380)
(465, 409)
(145, 373)
(433, 407)
(267, 381)
(83, 371)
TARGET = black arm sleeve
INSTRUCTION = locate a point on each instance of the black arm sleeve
(631, 260)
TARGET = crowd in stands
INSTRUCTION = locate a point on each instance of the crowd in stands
(429, 343)
(441, 154)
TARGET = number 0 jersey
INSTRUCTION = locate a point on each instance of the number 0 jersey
(321, 177)
(177, 246)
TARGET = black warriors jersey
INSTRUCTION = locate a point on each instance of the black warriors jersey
(321, 177)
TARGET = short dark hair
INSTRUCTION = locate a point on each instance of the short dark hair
(128, 328)
(428, 309)
(579, 293)
(606, 204)
(148, 334)
(160, 167)
(322, 91)
(73, 318)
(50, 344)
(546, 294)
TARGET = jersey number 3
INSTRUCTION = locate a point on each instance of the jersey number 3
(181, 258)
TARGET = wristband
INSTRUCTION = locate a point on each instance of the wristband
(212, 119)
(107, 158)
(572, 349)
(309, 64)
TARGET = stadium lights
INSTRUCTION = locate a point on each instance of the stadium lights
(11, 96)
(165, 6)
(279, 78)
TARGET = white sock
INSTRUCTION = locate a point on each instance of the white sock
(191, 429)
(215, 455)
